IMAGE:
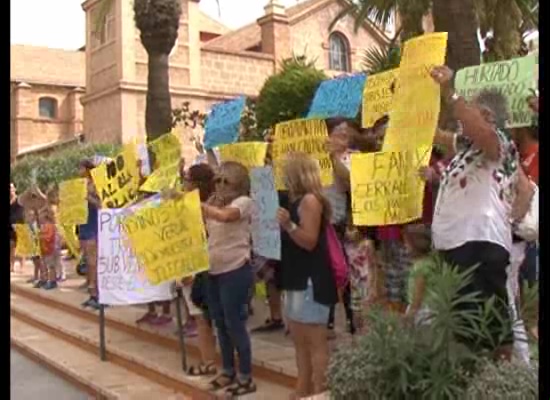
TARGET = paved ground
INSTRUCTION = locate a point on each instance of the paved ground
(32, 381)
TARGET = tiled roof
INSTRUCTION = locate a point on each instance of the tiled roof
(45, 65)
(210, 25)
(251, 35)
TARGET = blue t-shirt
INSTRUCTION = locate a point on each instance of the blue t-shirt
(88, 231)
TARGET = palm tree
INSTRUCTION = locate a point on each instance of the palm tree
(497, 21)
(460, 18)
(158, 23)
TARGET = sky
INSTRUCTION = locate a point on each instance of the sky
(61, 23)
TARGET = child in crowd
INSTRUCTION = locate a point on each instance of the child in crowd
(49, 248)
(363, 272)
(418, 242)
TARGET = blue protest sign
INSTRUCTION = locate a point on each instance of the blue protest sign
(338, 97)
(266, 234)
(222, 124)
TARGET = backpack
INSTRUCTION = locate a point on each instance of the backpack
(338, 261)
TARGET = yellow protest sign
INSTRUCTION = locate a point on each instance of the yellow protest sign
(415, 107)
(386, 188)
(166, 156)
(27, 242)
(378, 95)
(169, 239)
(73, 206)
(117, 181)
(166, 151)
(68, 234)
(163, 178)
(301, 135)
(249, 154)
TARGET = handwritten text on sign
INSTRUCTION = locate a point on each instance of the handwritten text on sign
(385, 187)
(415, 108)
(249, 154)
(169, 240)
(338, 97)
(266, 234)
(73, 206)
(306, 136)
(377, 96)
(166, 153)
(223, 123)
(120, 278)
(514, 78)
(117, 182)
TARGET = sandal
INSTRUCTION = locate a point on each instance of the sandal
(222, 381)
(202, 370)
(242, 388)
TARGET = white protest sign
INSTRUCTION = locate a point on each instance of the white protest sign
(121, 281)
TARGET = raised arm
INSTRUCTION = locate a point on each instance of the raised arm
(478, 122)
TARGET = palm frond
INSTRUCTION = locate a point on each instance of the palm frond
(376, 59)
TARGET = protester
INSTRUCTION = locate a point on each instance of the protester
(392, 255)
(364, 276)
(227, 214)
(49, 247)
(270, 273)
(310, 289)
(201, 177)
(151, 316)
(418, 242)
(87, 234)
(17, 216)
(471, 220)
(343, 135)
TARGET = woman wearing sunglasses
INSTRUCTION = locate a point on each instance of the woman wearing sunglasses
(227, 214)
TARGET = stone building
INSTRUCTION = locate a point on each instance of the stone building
(209, 62)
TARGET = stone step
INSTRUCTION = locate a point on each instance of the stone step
(101, 380)
(155, 362)
(271, 361)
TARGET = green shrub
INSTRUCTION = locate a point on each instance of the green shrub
(397, 359)
(56, 167)
(505, 380)
(288, 94)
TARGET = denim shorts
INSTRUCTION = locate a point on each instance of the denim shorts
(301, 307)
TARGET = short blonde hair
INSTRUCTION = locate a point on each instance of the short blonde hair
(303, 176)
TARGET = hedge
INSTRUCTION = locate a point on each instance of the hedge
(57, 166)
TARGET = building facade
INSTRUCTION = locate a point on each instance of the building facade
(209, 62)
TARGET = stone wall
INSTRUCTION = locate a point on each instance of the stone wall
(311, 35)
(232, 73)
(30, 129)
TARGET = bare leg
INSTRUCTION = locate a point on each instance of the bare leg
(207, 341)
(319, 350)
(274, 300)
(304, 384)
(90, 252)
(12, 255)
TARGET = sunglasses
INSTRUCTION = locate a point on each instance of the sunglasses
(221, 181)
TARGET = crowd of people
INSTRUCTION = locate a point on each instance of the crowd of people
(479, 185)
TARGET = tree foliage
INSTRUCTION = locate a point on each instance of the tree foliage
(288, 94)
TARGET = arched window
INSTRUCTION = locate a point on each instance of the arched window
(47, 107)
(339, 59)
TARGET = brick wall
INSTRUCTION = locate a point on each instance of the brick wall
(234, 73)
